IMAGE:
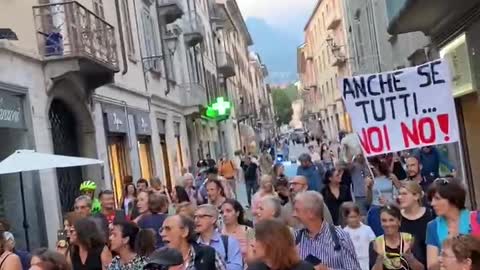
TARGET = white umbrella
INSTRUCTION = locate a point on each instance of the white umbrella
(29, 160)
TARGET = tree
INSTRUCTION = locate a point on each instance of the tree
(282, 105)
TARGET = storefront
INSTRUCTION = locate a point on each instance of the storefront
(467, 105)
(117, 144)
(455, 36)
(143, 129)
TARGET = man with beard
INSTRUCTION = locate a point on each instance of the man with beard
(414, 173)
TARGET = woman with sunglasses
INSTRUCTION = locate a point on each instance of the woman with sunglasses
(393, 250)
(447, 196)
(461, 253)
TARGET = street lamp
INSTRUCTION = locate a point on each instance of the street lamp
(172, 43)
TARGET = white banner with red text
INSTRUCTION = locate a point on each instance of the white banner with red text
(402, 109)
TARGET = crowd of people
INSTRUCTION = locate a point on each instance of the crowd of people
(387, 212)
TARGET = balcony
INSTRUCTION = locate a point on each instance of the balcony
(72, 38)
(217, 17)
(333, 20)
(339, 61)
(169, 10)
(195, 95)
(193, 30)
(225, 64)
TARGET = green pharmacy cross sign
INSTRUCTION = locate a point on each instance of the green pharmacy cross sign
(219, 110)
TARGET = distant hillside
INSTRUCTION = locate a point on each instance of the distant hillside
(277, 49)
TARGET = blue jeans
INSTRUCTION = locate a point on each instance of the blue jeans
(251, 187)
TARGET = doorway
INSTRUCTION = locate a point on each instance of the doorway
(166, 161)
(65, 142)
(118, 164)
(145, 157)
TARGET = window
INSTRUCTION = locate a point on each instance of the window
(145, 157)
(150, 38)
(128, 28)
(323, 21)
(118, 164)
(333, 88)
(98, 8)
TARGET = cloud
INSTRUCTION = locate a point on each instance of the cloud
(277, 12)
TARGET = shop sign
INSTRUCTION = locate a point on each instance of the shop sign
(456, 55)
(11, 111)
(402, 109)
(143, 125)
(116, 119)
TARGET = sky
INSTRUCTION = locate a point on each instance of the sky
(292, 14)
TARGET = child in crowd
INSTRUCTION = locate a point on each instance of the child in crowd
(360, 233)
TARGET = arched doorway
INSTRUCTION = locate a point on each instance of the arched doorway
(65, 142)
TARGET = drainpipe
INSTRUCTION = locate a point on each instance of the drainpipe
(122, 42)
(161, 28)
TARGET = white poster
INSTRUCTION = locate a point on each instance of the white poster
(402, 109)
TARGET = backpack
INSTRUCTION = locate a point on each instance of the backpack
(225, 246)
(333, 232)
(204, 257)
(475, 223)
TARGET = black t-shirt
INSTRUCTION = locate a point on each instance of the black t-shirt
(418, 228)
(373, 257)
(250, 171)
(333, 203)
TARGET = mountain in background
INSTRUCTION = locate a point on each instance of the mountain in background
(277, 49)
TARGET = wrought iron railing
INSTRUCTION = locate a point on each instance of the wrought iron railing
(69, 29)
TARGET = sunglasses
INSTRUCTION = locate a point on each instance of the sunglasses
(442, 181)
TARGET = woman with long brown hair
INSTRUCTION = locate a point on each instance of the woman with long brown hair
(274, 248)
(89, 250)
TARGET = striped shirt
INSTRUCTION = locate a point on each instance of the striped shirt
(322, 246)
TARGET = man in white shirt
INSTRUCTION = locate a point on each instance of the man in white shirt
(314, 154)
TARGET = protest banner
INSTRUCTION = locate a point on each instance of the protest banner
(402, 109)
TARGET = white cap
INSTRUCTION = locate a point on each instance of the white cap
(8, 236)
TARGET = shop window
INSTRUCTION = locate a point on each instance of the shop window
(145, 157)
(128, 29)
(179, 146)
(166, 161)
(118, 164)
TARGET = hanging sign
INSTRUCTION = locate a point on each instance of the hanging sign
(402, 109)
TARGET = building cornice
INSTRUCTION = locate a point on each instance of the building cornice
(317, 5)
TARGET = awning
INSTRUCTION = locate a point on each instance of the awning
(429, 16)
(29, 160)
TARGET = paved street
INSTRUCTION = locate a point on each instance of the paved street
(295, 151)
